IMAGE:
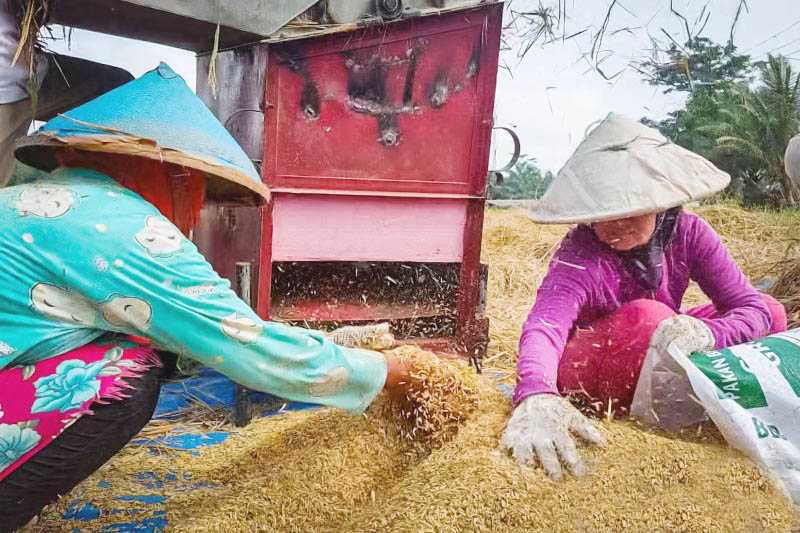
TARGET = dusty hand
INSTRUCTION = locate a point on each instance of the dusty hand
(687, 333)
(541, 427)
(371, 337)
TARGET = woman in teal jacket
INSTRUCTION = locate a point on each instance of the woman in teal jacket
(96, 273)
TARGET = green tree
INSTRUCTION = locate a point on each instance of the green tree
(743, 131)
(685, 126)
(699, 65)
(757, 129)
(710, 73)
(524, 181)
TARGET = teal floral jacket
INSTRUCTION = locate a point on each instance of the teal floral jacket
(81, 256)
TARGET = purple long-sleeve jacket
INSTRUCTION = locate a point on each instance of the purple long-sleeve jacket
(587, 280)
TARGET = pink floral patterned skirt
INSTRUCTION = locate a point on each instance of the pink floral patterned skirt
(38, 402)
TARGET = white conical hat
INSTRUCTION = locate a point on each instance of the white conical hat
(622, 169)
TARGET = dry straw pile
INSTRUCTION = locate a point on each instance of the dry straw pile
(787, 286)
(787, 289)
(324, 470)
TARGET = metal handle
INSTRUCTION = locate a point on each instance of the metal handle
(239, 112)
(243, 277)
(227, 124)
(517, 148)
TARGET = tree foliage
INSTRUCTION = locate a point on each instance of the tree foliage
(524, 181)
(700, 65)
(738, 114)
(758, 129)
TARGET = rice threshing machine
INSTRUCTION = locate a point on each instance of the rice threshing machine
(371, 123)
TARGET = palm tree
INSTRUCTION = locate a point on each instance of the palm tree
(761, 125)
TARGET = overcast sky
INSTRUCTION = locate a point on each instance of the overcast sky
(551, 96)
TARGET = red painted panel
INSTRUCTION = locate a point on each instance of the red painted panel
(226, 235)
(397, 108)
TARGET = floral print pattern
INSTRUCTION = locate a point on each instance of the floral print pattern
(41, 400)
(16, 440)
(73, 384)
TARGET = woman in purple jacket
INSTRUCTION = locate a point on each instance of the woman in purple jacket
(614, 289)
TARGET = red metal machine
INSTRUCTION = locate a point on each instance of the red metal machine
(376, 147)
(375, 143)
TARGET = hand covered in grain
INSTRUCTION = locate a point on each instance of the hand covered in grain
(541, 428)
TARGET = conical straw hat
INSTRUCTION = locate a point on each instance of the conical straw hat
(623, 169)
(156, 116)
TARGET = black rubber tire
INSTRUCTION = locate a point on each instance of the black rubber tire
(78, 452)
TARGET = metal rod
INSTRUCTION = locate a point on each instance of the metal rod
(241, 408)
(243, 276)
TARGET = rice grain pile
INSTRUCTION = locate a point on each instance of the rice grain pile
(440, 397)
(325, 470)
(328, 471)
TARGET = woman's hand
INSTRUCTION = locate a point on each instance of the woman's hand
(541, 428)
(687, 333)
(397, 376)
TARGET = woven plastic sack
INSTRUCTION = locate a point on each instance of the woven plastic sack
(750, 391)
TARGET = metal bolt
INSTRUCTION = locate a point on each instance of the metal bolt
(390, 137)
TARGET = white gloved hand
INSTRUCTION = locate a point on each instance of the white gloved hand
(687, 333)
(540, 428)
(664, 394)
(371, 336)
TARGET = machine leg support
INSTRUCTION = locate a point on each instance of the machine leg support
(473, 340)
(241, 409)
